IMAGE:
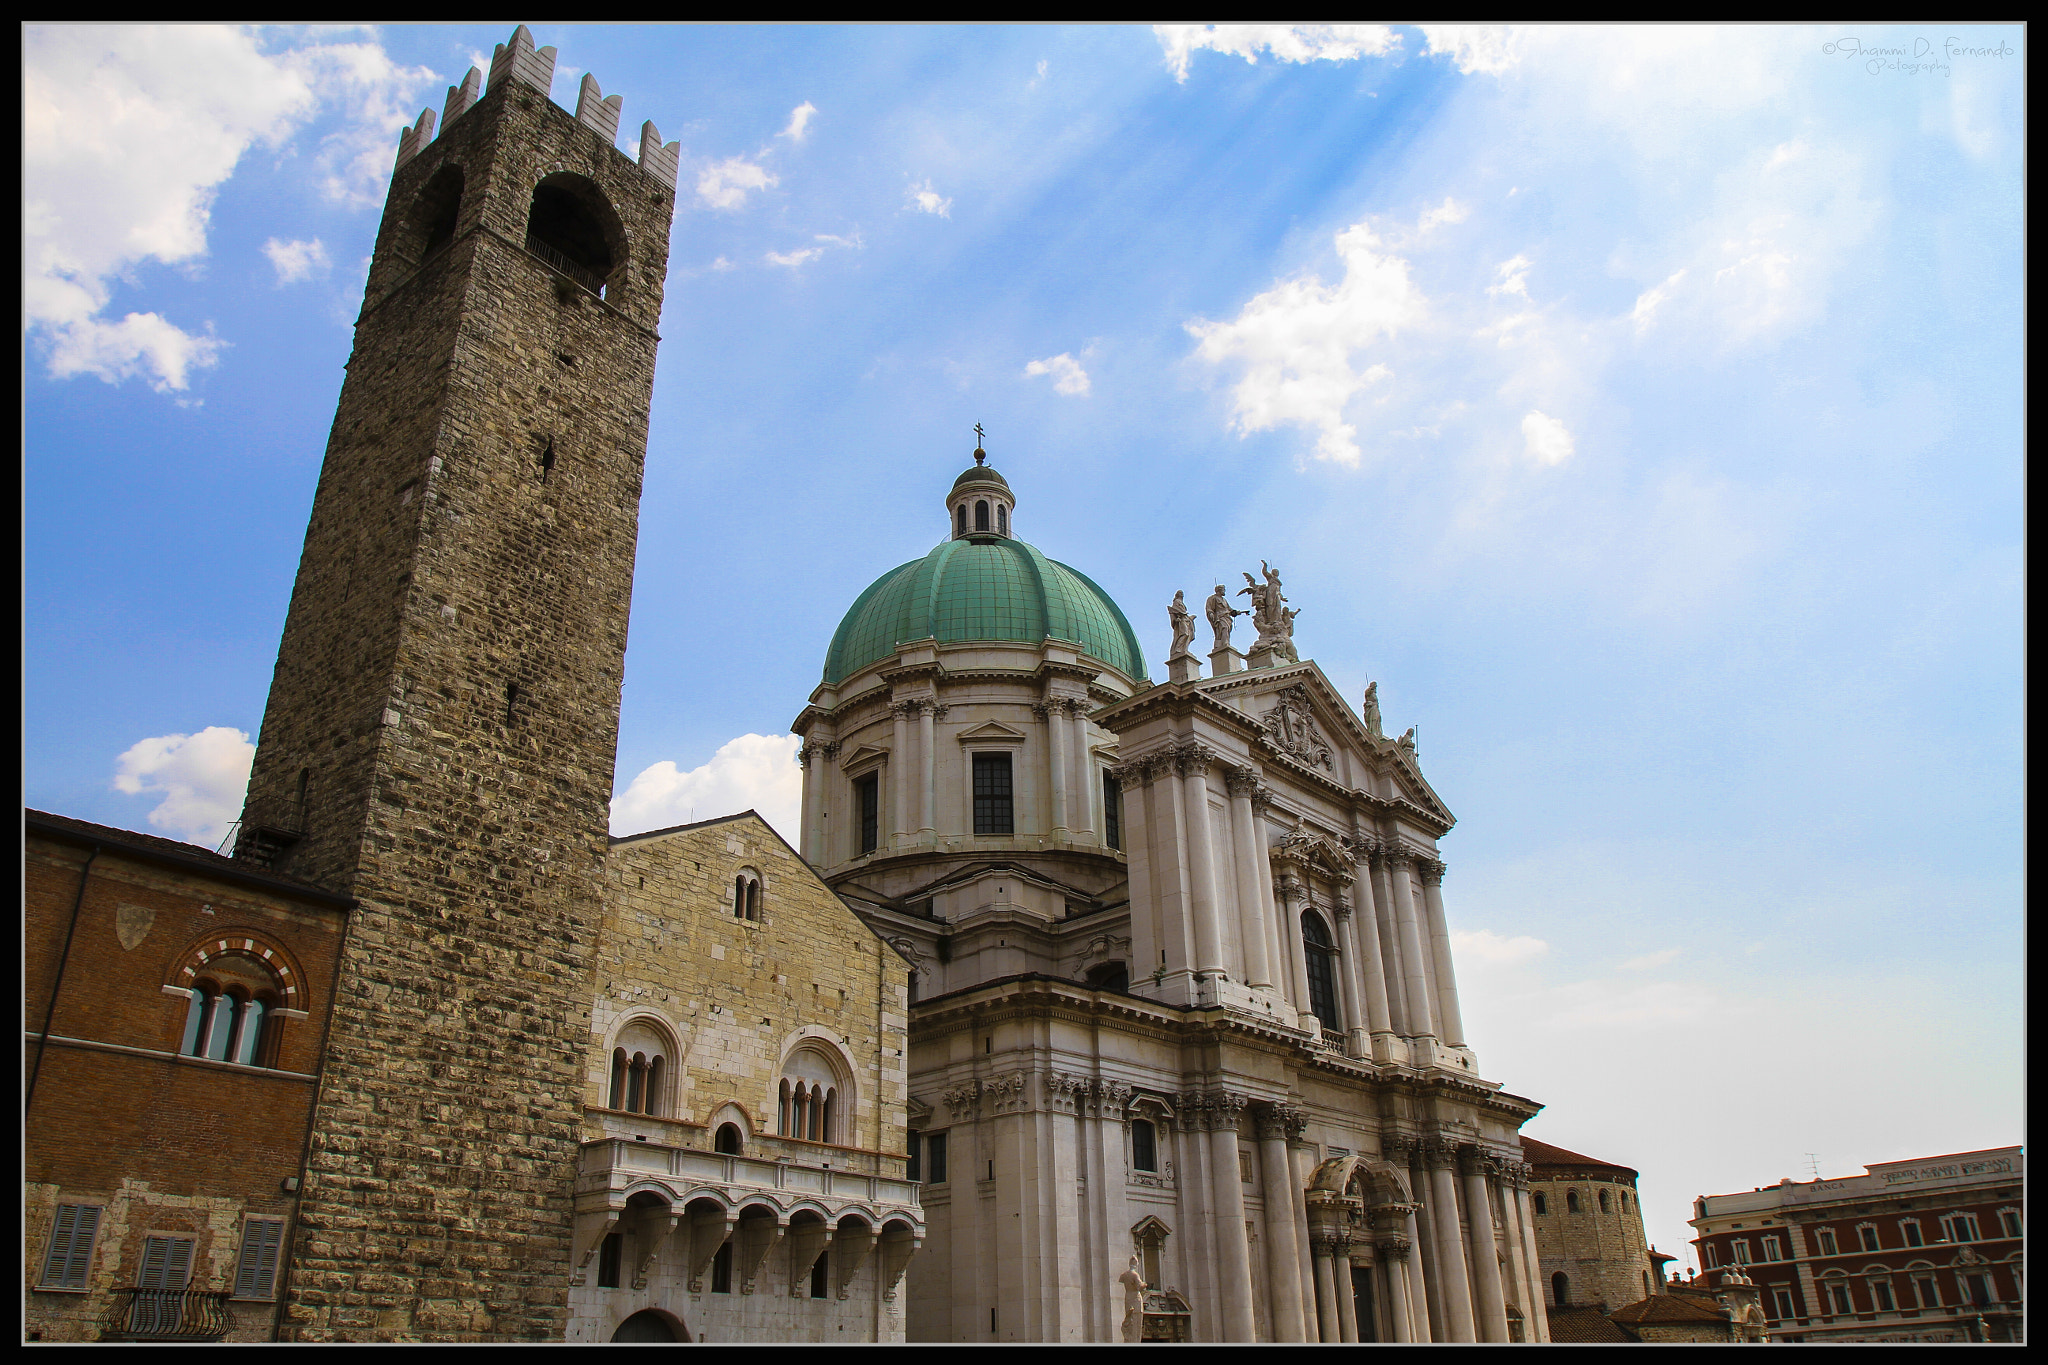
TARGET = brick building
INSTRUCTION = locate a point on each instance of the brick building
(1925, 1250)
(175, 1007)
(1590, 1247)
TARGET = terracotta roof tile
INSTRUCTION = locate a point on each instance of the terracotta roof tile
(1662, 1308)
(1584, 1323)
(1543, 1154)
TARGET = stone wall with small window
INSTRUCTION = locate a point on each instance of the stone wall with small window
(173, 1084)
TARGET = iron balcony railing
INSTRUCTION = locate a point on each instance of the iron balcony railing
(171, 1315)
(556, 261)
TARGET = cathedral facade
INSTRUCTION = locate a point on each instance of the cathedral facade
(1186, 1056)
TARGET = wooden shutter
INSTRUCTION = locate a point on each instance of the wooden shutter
(71, 1238)
(166, 1262)
(256, 1268)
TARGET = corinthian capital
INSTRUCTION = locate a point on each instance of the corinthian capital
(1241, 781)
(1432, 871)
(1191, 758)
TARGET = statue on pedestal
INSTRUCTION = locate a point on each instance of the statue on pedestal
(1370, 711)
(1134, 1302)
(1274, 621)
(1222, 617)
(1183, 627)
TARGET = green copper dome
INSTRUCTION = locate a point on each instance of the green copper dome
(982, 589)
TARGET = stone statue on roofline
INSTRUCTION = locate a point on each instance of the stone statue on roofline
(1183, 622)
(1370, 711)
(1222, 617)
(1274, 621)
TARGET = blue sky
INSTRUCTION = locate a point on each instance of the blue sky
(1640, 407)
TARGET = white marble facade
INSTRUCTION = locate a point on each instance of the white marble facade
(1326, 1162)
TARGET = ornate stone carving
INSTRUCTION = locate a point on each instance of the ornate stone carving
(1222, 616)
(1370, 711)
(1432, 871)
(1275, 623)
(1191, 758)
(1241, 781)
(1291, 726)
(1043, 710)
(1183, 622)
(825, 750)
(939, 712)
(1439, 1153)
(963, 1099)
(1408, 743)
(1395, 1248)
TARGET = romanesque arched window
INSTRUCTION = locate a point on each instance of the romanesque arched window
(1542, 1204)
(981, 516)
(640, 1070)
(1560, 1288)
(571, 227)
(811, 1096)
(746, 895)
(729, 1140)
(231, 1014)
(960, 520)
(1002, 519)
(1571, 1201)
(1604, 1207)
(1322, 969)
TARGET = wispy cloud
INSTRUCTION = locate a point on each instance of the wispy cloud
(295, 261)
(1067, 375)
(925, 199)
(793, 259)
(726, 184)
(1283, 42)
(799, 121)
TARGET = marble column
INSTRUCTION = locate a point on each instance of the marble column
(1450, 1026)
(1393, 1252)
(1452, 1272)
(1303, 1158)
(1234, 1253)
(1355, 1038)
(1193, 760)
(819, 778)
(808, 830)
(900, 770)
(1252, 910)
(1490, 1313)
(1388, 924)
(1055, 718)
(1511, 1234)
(1379, 1022)
(1283, 1254)
(927, 826)
(1539, 1317)
(1084, 785)
(1297, 959)
(1414, 965)
(1324, 1243)
(1418, 1292)
(1340, 1279)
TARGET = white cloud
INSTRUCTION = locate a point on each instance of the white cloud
(1649, 960)
(799, 121)
(829, 239)
(1545, 439)
(1649, 300)
(757, 772)
(1296, 343)
(128, 132)
(925, 199)
(1512, 277)
(722, 263)
(1067, 375)
(295, 261)
(724, 184)
(1285, 42)
(793, 259)
(201, 778)
(1478, 49)
(1450, 211)
(1483, 945)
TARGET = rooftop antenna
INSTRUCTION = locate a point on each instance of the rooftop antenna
(1813, 1165)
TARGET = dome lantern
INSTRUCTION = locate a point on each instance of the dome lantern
(981, 504)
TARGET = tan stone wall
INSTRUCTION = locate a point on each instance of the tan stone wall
(739, 996)
(1603, 1255)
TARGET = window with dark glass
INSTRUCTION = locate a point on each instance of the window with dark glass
(960, 520)
(993, 813)
(721, 1270)
(935, 1158)
(1911, 1230)
(1542, 1204)
(867, 793)
(818, 1274)
(1144, 1146)
(1112, 811)
(1881, 1295)
(1571, 1204)
(1868, 1236)
(608, 1256)
(913, 1143)
(981, 516)
(1322, 972)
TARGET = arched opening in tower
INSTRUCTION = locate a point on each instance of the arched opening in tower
(573, 229)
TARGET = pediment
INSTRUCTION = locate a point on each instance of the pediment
(991, 732)
(866, 756)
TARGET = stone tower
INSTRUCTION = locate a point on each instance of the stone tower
(443, 721)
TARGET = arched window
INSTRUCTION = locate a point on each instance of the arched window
(640, 1070)
(1560, 1288)
(981, 516)
(572, 228)
(1109, 976)
(728, 1140)
(746, 895)
(808, 1103)
(1604, 1208)
(1144, 1146)
(432, 220)
(1002, 519)
(960, 520)
(1541, 1204)
(1322, 972)
(1571, 1201)
(1624, 1201)
(232, 1003)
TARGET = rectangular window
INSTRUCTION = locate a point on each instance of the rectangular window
(1868, 1236)
(1112, 811)
(1713, 1256)
(993, 813)
(1838, 1299)
(1826, 1238)
(819, 1274)
(913, 1142)
(166, 1263)
(609, 1254)
(1144, 1152)
(69, 1258)
(1928, 1291)
(1742, 1251)
(1774, 1250)
(1962, 1227)
(935, 1159)
(1784, 1298)
(867, 795)
(721, 1270)
(1911, 1232)
(1980, 1290)
(1881, 1295)
(2010, 1220)
(256, 1265)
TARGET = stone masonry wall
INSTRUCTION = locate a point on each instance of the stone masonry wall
(449, 685)
(1604, 1256)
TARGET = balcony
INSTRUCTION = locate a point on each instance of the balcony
(170, 1315)
(611, 1165)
